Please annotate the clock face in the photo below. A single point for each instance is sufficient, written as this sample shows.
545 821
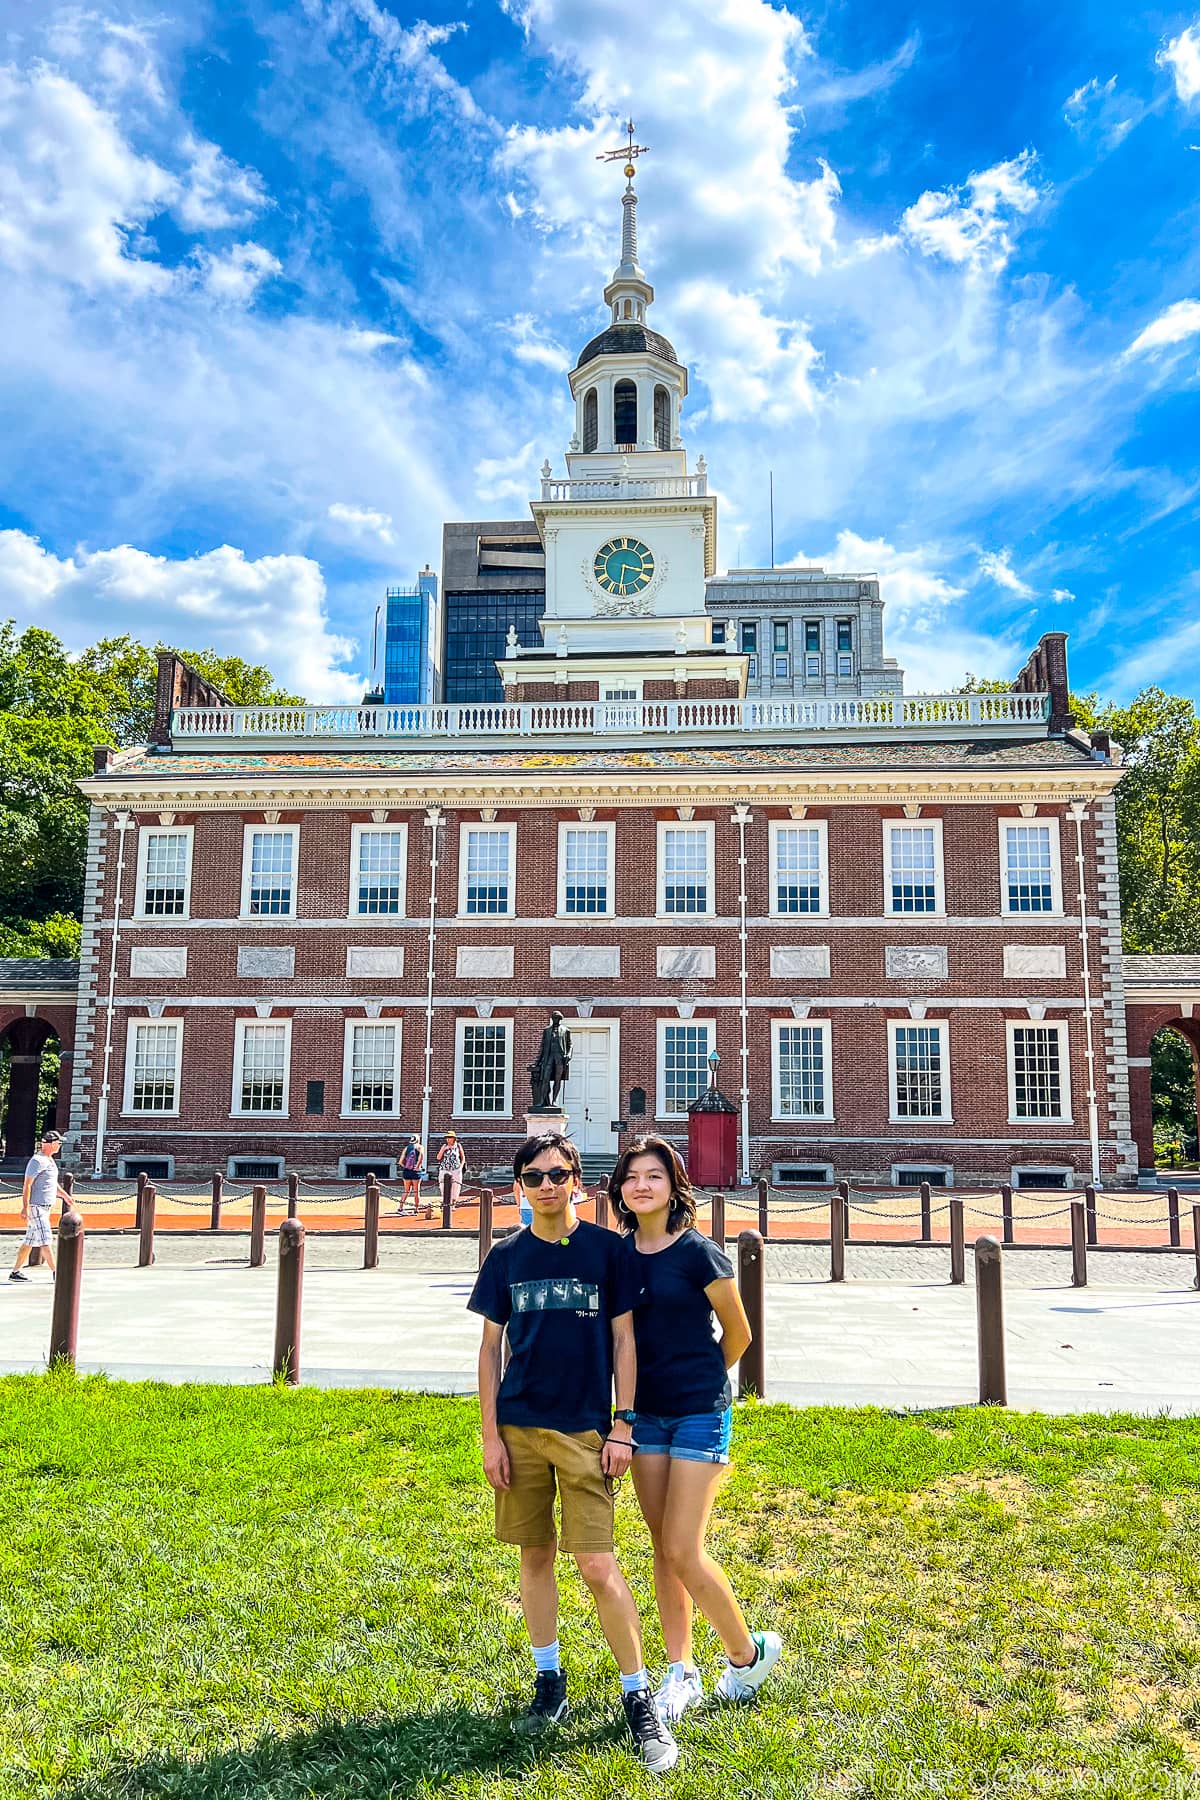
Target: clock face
623 566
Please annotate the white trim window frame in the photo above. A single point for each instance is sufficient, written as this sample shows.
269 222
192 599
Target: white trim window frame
681 1063
263 898
1027 877
810 1042
818 830
912 876
478 896
376 1077
684 876
383 884
171 882
1045 1071
488 1035
922 1077
259 1072
160 1033
588 892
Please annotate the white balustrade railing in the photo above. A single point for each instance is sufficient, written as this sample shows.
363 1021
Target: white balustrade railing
917 714
648 487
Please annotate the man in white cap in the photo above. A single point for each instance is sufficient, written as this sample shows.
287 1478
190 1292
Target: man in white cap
38 1195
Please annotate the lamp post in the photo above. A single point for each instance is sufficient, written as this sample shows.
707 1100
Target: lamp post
714 1063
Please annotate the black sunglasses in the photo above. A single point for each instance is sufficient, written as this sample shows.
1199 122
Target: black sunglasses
533 1178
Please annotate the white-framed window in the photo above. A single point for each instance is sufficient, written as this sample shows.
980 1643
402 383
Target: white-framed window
683 1047
913 874
371 1068
251 1165
486 865
483 1068
685 869
799 869
155 1168
1030 871
845 667
782 670
1039 1072
812 649
801 1069
585 870
621 703
780 636
269 857
164 872
911 1175
378 871
1042 1175
357 1168
845 649
262 1059
918 1070
153 1063
801 1174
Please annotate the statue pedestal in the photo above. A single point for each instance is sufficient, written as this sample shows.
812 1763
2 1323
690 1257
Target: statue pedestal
545 1118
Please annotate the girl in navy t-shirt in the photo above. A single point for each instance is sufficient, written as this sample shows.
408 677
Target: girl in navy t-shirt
683 1417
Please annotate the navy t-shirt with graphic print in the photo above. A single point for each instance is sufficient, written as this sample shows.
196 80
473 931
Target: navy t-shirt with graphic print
680 1364
558 1301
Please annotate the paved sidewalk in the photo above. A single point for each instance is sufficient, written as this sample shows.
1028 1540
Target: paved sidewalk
895 1334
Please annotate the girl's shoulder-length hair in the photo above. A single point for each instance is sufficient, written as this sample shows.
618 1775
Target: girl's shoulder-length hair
682 1215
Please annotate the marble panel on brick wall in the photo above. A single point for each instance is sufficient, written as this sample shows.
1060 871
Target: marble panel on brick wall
485 959
585 959
1047 960
374 959
266 959
161 960
678 961
924 962
808 960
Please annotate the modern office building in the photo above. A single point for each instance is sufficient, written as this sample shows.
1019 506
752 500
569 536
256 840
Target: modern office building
493 580
410 642
806 632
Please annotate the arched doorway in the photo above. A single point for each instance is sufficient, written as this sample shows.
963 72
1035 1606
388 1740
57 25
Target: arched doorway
30 1069
1174 1094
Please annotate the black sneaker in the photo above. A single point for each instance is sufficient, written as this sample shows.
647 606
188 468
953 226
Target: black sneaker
656 1748
17 1276
548 1706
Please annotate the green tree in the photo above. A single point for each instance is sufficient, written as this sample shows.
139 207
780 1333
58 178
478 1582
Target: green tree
1158 820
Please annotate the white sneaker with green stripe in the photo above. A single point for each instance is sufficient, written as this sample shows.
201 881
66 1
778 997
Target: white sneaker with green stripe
741 1684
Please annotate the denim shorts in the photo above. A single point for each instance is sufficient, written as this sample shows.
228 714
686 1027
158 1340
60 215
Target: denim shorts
696 1437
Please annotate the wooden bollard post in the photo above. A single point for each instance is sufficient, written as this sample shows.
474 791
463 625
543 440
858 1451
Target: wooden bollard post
958 1249
64 1319
371 1225
843 1188
288 1293
1006 1213
989 1313
926 1212
718 1221
485 1223
445 1181
1089 1198
1173 1217
214 1215
1078 1245
258 1227
837 1232
764 1216
1196 1244
146 1235
142 1183
293 1196
602 1218
751 1263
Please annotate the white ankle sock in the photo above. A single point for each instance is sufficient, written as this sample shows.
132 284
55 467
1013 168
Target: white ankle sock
545 1658
631 1683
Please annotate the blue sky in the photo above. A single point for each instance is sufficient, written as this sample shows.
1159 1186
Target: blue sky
283 286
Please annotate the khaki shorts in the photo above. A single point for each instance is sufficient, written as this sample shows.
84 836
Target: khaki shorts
540 1461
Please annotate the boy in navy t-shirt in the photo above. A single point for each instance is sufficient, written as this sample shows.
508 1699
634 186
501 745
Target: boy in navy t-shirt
564 1290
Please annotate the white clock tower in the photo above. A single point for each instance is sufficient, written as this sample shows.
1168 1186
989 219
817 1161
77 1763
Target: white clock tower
630 532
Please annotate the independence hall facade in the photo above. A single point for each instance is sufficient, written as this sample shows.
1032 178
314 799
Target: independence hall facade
312 930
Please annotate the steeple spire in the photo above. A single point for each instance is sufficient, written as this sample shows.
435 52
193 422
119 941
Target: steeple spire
628 293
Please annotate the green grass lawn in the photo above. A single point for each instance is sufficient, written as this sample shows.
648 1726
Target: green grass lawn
234 1592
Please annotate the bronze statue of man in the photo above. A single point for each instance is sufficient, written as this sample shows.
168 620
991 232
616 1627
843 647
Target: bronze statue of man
548 1074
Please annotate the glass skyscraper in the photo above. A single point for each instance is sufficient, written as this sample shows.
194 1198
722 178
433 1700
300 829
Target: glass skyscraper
409 643
493 577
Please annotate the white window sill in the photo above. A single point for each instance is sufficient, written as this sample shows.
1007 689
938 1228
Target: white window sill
266 918
1027 1124
396 918
1034 918
173 1114
797 918
581 918
921 1119
803 1119
917 918
275 1113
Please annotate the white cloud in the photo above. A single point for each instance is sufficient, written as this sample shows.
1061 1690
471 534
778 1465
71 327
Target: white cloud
754 365
216 192
1182 57
73 194
996 565
973 224
1061 594
508 477
530 345
119 56
272 610
363 521
1178 323
1097 110
405 60
232 277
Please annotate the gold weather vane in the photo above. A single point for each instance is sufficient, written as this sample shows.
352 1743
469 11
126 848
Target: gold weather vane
629 151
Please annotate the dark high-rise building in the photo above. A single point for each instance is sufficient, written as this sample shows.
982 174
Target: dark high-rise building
493 577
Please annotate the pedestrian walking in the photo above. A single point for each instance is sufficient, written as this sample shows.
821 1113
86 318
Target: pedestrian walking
451 1164
564 1291
412 1167
38 1194
683 1417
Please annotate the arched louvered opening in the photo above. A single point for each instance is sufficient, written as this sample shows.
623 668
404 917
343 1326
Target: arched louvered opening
625 419
662 419
629 309
591 420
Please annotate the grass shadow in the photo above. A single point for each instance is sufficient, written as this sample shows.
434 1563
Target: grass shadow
347 1759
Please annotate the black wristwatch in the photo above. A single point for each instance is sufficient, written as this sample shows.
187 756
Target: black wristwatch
625 1418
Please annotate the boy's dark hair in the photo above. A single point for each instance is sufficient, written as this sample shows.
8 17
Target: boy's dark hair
683 1202
547 1140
